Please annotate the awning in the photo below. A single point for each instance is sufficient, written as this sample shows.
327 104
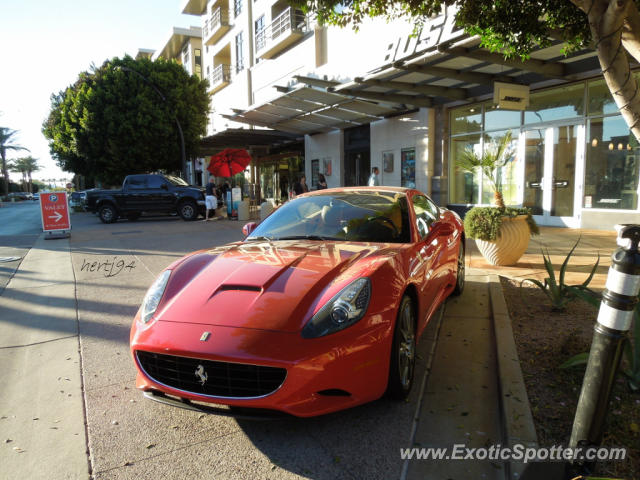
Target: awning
457 71
463 71
306 109
246 139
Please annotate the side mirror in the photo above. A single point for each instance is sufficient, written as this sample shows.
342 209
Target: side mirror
248 228
443 229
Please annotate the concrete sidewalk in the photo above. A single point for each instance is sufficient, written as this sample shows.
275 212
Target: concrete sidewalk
41 405
475 394
471 395
460 403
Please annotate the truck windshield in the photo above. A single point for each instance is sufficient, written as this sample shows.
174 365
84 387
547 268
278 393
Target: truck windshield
177 181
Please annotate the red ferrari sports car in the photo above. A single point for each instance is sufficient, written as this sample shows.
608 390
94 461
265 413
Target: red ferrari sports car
317 310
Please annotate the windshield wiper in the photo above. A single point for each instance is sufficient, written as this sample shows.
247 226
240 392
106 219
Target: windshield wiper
250 239
307 237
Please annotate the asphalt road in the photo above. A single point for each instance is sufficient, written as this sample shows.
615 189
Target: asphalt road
20 226
131 437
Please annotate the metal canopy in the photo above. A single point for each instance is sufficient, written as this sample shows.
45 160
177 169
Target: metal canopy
308 109
244 138
454 71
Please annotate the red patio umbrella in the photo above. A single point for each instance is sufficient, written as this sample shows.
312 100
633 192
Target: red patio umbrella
229 162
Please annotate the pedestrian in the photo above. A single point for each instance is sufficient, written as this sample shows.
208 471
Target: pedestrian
300 186
322 182
373 179
211 199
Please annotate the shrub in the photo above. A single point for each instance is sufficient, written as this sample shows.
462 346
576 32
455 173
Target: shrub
484 223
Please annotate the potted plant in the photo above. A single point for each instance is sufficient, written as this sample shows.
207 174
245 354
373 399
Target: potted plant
502 233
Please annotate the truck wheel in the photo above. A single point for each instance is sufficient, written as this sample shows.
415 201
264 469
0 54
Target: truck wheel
108 213
188 211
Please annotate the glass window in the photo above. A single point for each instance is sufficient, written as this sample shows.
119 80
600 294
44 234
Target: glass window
507 175
137 182
156 181
197 58
408 168
466 119
464 186
260 34
496 118
555 104
426 214
239 53
613 160
600 99
237 7
353 216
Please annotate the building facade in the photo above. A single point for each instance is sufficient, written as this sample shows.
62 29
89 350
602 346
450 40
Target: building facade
341 102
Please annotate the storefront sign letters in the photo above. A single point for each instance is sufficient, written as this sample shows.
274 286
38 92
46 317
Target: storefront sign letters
434 32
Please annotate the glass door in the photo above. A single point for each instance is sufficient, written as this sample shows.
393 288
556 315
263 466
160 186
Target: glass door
553 169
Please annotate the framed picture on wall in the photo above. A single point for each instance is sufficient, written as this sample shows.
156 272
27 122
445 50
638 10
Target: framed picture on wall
387 162
315 170
326 165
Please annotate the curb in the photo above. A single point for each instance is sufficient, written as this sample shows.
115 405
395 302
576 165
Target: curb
517 420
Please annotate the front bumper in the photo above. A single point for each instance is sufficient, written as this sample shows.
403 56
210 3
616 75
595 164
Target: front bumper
324 375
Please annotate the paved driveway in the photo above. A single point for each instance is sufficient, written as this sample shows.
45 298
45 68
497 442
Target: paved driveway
131 437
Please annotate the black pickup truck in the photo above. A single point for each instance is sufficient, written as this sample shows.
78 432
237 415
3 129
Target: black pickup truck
149 193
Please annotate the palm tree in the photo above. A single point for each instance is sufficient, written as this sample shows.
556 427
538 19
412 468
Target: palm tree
496 156
19 167
26 166
6 144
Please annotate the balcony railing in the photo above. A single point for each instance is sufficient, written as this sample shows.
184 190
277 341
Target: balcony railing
215 26
285 29
219 77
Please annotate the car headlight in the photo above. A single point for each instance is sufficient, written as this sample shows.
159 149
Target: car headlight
153 296
347 307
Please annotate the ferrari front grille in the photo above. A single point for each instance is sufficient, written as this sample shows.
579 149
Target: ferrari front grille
206 377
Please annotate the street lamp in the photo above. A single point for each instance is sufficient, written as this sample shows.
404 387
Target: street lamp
157 90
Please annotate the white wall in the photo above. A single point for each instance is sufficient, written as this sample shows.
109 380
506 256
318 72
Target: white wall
395 134
325 146
267 73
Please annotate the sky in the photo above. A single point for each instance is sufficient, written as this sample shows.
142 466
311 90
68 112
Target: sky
45 44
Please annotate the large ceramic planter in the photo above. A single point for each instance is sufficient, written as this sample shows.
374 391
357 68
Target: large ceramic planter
510 244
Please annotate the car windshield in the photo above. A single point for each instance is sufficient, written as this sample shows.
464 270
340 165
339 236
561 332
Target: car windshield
358 216
177 181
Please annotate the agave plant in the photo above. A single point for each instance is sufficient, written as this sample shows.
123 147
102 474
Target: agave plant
496 155
558 292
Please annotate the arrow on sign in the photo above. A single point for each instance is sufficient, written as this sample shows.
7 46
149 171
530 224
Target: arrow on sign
57 216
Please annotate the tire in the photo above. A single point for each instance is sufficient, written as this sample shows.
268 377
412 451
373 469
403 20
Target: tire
108 213
188 210
403 351
459 288
132 217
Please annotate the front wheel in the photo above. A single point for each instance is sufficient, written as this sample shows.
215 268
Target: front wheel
188 211
403 351
108 213
459 288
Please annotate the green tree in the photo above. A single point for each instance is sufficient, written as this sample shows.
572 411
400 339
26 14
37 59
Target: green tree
122 118
517 27
26 166
6 144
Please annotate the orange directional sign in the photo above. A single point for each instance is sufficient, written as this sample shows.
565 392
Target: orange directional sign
55 211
